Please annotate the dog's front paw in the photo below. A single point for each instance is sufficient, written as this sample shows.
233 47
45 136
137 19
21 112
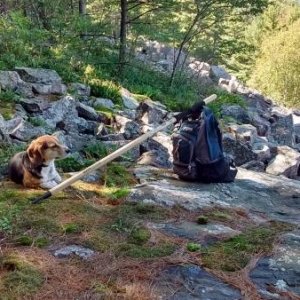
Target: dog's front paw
58 179
48 185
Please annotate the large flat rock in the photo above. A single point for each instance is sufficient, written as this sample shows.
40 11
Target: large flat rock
277 197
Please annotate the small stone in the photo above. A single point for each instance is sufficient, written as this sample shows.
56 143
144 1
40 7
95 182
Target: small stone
102 102
80 251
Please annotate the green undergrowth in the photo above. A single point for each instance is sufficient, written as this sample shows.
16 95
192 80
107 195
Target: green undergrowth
235 253
21 278
224 98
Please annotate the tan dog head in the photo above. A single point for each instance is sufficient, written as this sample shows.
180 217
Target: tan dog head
46 148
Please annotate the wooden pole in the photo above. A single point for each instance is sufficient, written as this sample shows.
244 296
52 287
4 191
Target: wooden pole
104 161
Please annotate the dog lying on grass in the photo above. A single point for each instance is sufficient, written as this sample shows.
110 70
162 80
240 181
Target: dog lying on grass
35 167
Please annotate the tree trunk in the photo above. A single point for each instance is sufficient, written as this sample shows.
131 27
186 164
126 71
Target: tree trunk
82 7
123 37
185 40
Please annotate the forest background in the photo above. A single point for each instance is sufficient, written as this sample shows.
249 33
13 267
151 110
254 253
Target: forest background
94 41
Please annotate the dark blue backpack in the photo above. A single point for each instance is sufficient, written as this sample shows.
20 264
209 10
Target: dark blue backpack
198 152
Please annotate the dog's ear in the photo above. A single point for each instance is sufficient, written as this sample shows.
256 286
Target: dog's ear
34 153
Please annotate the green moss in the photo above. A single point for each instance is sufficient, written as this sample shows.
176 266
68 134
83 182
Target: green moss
41 242
24 240
234 254
137 251
224 98
106 89
117 175
35 121
7 152
193 247
139 236
116 194
71 164
71 228
95 151
202 220
22 279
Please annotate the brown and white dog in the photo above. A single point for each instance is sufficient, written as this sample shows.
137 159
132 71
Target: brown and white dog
35 167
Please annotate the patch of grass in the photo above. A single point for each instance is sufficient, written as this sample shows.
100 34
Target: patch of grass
139 236
117 175
116 194
202 220
9 209
193 247
21 278
224 98
7 152
95 151
41 242
35 121
105 89
8 96
219 216
109 113
71 164
100 240
137 251
71 228
235 253
24 240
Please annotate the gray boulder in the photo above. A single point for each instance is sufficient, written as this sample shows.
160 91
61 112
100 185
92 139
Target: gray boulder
155 158
63 110
236 112
130 129
80 89
244 132
102 102
9 80
34 105
26 132
128 100
218 72
285 163
42 76
55 88
240 151
282 129
132 154
88 112
150 112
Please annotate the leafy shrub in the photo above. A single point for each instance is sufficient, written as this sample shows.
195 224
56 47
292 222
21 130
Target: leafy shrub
71 164
106 89
95 151
277 73
224 98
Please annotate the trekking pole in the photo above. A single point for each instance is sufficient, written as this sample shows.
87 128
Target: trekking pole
104 161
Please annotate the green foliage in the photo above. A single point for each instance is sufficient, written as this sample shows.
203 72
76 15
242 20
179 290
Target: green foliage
7 152
225 98
106 89
8 96
36 121
193 247
71 228
202 220
22 278
277 73
8 211
95 151
118 175
234 254
71 164
136 251
139 236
